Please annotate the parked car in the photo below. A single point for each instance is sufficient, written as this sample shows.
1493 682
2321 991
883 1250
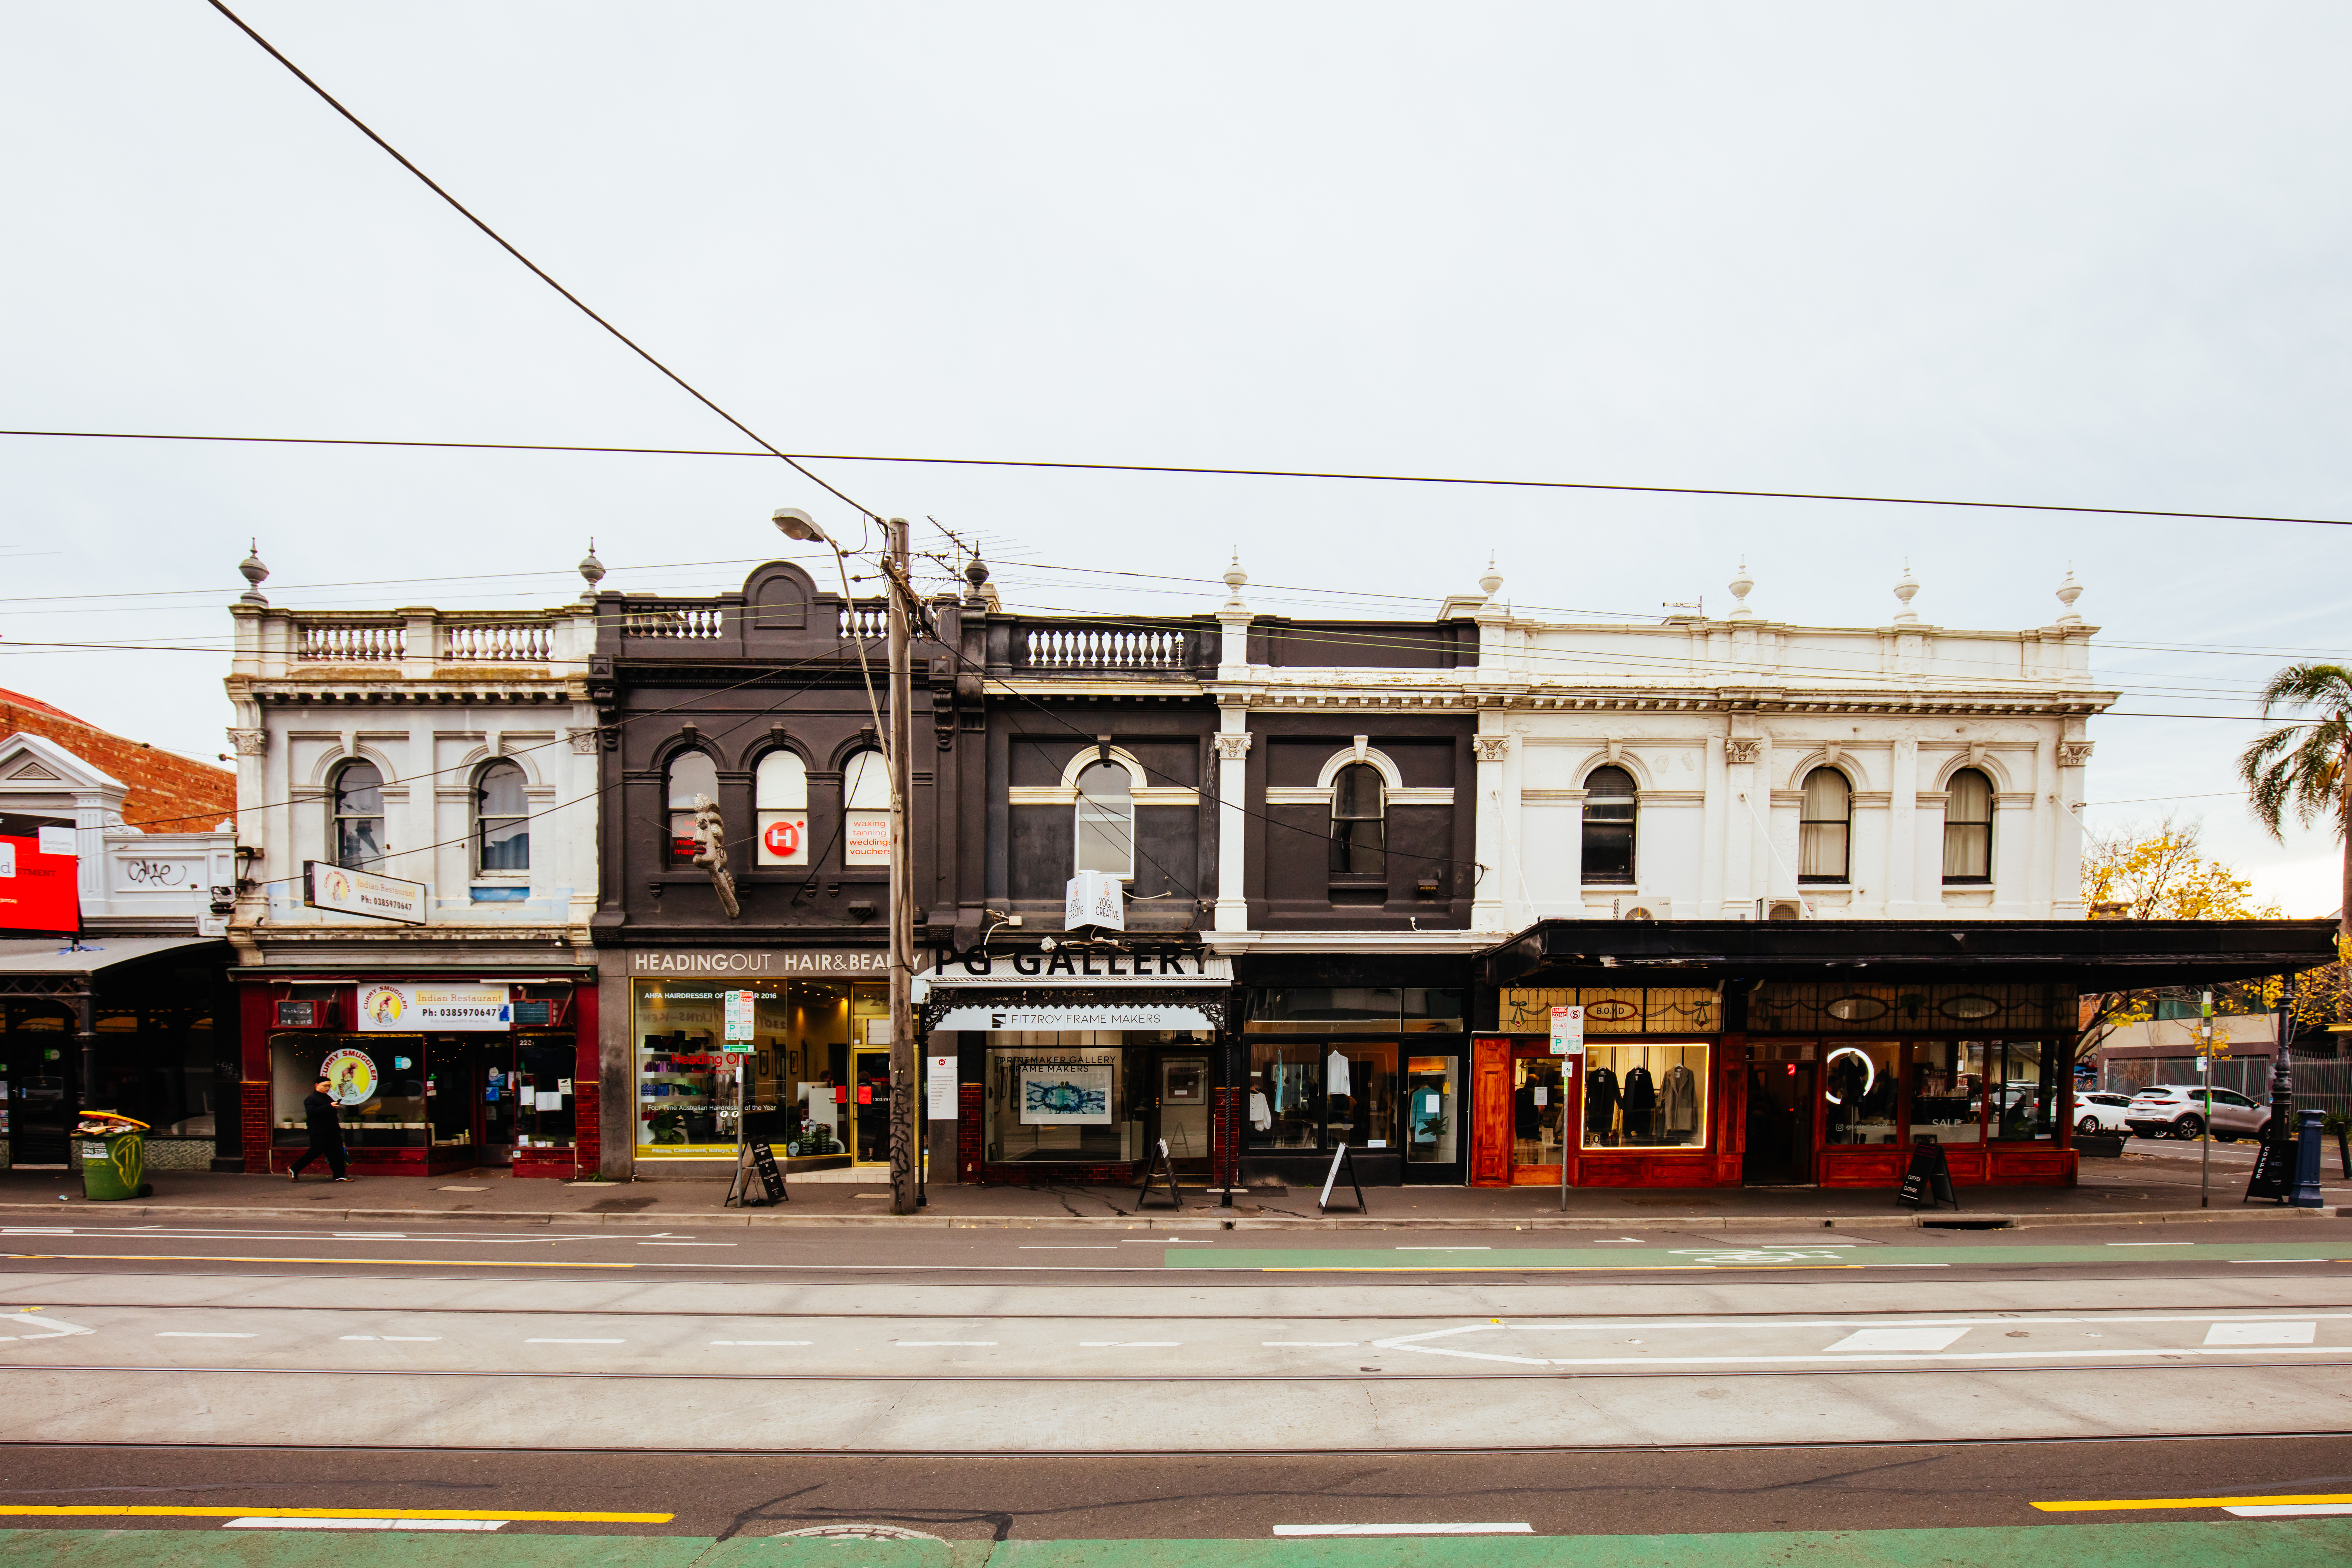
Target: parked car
2102 1112
2178 1111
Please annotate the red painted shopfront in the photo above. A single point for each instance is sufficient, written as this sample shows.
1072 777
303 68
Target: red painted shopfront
436 1073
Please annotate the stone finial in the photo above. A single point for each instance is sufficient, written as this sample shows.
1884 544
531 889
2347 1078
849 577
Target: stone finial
975 572
2068 592
1234 578
1903 590
254 572
1741 585
591 569
1491 582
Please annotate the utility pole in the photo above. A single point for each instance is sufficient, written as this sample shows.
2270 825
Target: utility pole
2205 1059
905 1127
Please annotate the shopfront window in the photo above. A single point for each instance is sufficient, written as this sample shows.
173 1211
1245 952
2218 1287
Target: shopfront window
1947 1080
1359 1095
1286 1096
797 1077
1860 1089
2026 1106
1060 1097
1652 1095
378 1086
1430 1132
1539 1095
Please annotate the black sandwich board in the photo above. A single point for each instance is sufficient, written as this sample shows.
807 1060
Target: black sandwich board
2274 1176
1338 1159
1159 1168
761 1158
1930 1179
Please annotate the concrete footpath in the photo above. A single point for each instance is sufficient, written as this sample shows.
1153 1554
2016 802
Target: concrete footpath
2146 1189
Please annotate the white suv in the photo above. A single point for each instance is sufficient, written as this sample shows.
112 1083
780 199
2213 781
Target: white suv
2176 1110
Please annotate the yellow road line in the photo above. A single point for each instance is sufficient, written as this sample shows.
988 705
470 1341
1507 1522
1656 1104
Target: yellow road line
2298 1500
113 1511
396 1262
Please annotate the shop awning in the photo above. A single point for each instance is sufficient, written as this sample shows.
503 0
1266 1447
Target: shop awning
56 954
2091 955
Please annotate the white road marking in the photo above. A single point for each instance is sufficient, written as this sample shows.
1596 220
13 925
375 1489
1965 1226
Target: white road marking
1931 1337
1105 1247
2287 1510
942 1344
1309 1344
363 1523
395 1339
179 1334
1404 1530
764 1341
575 1341
2282 1260
2263 1332
2151 1244
371 1236
686 1244
1168 1240
1443 1249
1128 1344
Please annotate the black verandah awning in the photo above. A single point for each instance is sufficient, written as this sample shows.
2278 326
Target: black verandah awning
2090 955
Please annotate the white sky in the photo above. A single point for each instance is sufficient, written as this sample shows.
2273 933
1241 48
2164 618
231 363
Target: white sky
2091 254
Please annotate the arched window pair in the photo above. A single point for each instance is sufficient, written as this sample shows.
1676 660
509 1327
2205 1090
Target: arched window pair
500 831
781 810
1825 834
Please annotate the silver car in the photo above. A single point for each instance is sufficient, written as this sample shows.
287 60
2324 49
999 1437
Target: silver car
2179 1110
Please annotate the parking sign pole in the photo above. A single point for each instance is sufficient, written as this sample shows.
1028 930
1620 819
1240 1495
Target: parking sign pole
2205 1059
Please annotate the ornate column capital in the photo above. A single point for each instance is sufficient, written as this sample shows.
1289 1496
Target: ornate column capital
2073 753
1232 748
583 740
1737 753
1492 748
249 742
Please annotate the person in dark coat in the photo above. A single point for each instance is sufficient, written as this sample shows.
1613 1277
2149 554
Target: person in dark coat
326 1132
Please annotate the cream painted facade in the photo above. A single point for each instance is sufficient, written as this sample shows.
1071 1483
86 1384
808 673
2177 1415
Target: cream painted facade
1720 721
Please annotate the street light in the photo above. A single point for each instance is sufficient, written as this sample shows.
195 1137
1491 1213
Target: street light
895 738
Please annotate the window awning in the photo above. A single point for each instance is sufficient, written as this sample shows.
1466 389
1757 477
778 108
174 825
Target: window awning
57 955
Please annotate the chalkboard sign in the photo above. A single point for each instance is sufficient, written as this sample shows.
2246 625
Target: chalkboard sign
1159 1169
1930 1179
1338 1160
2274 1176
760 1160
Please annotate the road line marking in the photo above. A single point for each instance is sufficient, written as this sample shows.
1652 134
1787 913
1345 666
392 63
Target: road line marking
940 1344
326 1262
1915 1338
1310 1344
361 1522
2310 1500
1129 1344
2270 1511
395 1338
1443 1249
1404 1530
371 1236
133 1510
186 1334
1105 1247
2261 1332
764 1341
2151 1244
575 1341
686 1244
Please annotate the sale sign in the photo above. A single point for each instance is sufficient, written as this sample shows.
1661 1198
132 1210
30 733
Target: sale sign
39 875
783 838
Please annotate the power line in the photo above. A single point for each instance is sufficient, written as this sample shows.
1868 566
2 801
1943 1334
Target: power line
1351 476
537 271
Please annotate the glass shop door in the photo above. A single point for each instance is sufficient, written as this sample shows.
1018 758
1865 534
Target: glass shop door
869 1107
1779 1125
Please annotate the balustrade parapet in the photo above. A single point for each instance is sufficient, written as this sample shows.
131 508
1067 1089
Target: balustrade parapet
1125 648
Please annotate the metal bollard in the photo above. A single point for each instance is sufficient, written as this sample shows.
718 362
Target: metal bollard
2307 1163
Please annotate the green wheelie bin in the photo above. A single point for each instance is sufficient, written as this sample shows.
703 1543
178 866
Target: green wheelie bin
114 1159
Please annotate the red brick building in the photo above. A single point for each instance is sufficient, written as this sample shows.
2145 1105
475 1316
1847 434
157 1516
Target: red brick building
168 793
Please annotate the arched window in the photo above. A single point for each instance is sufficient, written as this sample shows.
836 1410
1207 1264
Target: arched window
780 796
502 819
1609 826
1968 827
358 828
1823 839
1360 828
1106 824
690 774
866 810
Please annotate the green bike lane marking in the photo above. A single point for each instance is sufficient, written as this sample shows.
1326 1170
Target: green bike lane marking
1733 1256
2243 1544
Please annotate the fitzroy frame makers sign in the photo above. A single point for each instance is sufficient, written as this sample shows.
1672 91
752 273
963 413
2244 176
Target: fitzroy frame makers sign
349 892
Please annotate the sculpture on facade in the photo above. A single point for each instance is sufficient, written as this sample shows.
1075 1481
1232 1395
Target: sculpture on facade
710 833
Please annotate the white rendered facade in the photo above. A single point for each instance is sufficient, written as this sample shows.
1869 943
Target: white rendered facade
1720 723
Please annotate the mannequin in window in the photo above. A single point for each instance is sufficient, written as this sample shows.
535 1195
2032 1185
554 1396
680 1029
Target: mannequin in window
1847 1076
1601 1096
1641 1097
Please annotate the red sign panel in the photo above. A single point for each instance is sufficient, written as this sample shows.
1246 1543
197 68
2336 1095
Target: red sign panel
40 871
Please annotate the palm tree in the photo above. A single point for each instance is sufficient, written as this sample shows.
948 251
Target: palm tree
2308 765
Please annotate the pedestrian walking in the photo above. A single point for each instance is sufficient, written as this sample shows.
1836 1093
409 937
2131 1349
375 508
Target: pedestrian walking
326 1133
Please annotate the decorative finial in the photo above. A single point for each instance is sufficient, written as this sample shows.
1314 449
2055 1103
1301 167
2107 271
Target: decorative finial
975 572
592 568
2068 592
254 572
1236 576
1492 580
1740 585
1903 590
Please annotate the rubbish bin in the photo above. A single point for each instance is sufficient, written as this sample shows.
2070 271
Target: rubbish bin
113 1160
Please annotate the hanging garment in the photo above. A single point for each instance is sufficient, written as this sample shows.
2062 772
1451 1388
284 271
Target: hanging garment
1261 1113
1599 1098
1525 1116
1680 1093
1335 1075
1641 1099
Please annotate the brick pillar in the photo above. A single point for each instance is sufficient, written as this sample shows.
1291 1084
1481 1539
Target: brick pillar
253 1112
968 1130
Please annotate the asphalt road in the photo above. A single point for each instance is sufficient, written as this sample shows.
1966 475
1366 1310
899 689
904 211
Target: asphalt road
1074 1384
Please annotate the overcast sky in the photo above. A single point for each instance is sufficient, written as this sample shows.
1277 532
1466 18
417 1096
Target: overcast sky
2082 253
